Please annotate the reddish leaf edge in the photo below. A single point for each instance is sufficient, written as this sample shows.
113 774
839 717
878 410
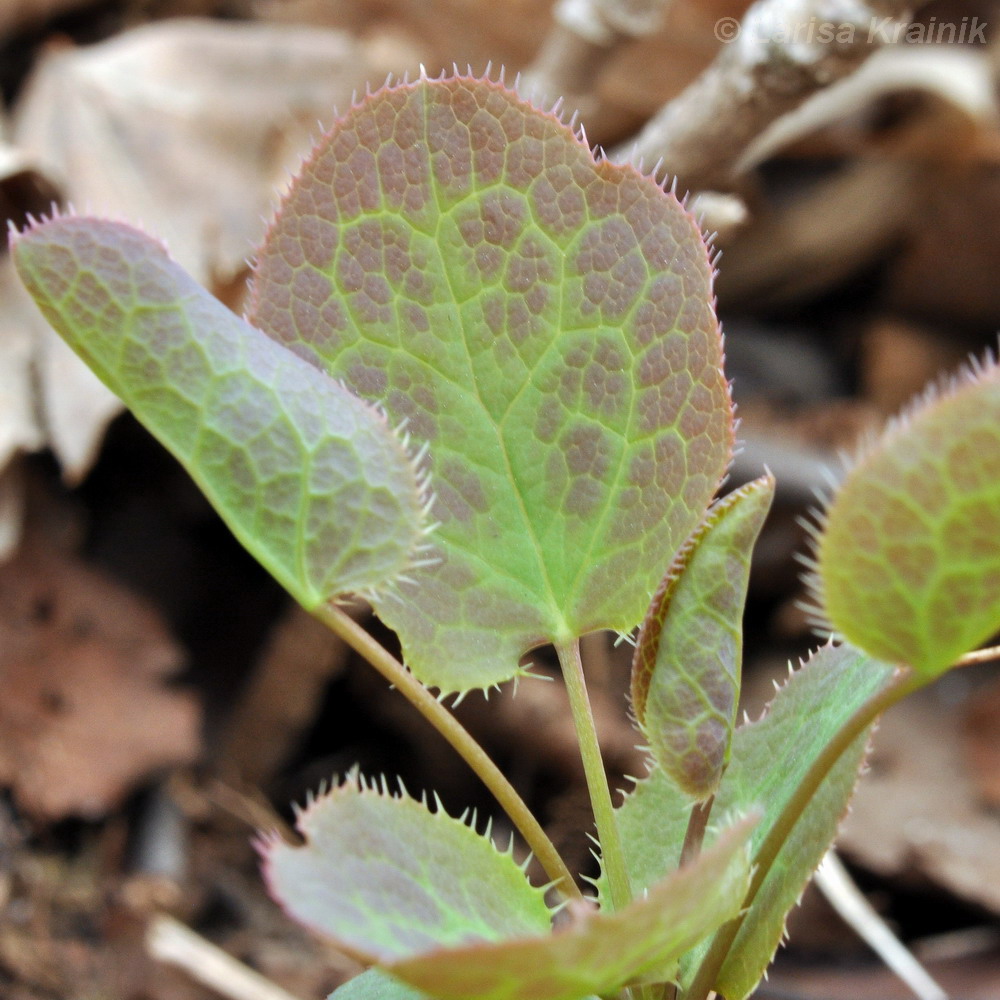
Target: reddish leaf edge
569 121
732 831
558 111
354 780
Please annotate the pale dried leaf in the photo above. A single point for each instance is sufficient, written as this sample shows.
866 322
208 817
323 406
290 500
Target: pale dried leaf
46 395
23 189
188 127
19 426
844 222
955 85
77 407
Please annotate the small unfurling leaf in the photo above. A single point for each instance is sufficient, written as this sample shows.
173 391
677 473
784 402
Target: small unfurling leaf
686 668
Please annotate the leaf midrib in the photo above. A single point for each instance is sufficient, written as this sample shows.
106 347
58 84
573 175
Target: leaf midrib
561 629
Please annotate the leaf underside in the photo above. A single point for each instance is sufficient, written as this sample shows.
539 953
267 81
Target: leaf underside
309 478
769 759
688 656
424 895
376 984
908 561
544 321
386 878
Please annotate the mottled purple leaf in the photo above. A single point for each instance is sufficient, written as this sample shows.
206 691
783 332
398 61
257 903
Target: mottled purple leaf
387 878
544 320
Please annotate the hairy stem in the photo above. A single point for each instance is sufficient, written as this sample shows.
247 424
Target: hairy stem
694 837
459 737
903 683
612 853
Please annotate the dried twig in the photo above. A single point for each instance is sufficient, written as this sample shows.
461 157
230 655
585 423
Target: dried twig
584 36
168 940
844 896
775 59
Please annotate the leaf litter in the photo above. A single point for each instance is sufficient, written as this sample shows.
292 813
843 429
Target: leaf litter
80 433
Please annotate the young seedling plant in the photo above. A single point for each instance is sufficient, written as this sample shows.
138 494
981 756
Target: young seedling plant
480 383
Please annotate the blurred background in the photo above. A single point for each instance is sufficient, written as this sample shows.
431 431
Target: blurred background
161 699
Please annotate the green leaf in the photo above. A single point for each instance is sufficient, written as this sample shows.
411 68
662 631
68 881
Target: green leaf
545 322
908 558
386 878
375 984
598 952
769 759
686 668
437 905
308 477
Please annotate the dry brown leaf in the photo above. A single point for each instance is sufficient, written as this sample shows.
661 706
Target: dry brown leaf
899 359
269 722
947 269
83 667
16 15
505 33
639 78
917 814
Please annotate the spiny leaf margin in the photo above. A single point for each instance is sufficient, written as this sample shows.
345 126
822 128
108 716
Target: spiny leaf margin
377 984
387 878
769 757
598 952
